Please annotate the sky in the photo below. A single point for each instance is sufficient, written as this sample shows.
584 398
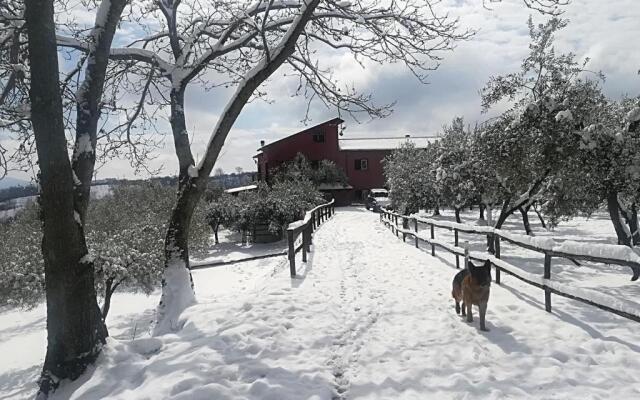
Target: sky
607 32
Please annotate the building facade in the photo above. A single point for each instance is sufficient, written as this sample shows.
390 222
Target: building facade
360 158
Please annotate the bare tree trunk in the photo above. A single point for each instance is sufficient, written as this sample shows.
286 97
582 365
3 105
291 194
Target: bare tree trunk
481 207
633 224
524 211
504 214
535 208
624 236
457 211
436 210
89 98
631 219
76 331
109 290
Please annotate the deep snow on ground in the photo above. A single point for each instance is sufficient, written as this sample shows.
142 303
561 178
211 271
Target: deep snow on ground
369 317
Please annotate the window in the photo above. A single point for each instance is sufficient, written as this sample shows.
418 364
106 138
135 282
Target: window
318 137
361 164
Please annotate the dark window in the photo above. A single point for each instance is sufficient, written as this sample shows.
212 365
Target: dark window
361 164
318 137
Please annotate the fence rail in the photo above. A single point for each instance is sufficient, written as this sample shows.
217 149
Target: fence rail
311 221
599 253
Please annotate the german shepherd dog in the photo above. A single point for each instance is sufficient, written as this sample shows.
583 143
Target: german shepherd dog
471 286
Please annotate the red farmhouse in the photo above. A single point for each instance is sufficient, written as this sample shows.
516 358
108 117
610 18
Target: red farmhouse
360 158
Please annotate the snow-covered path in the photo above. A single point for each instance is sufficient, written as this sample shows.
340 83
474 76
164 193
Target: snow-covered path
402 339
371 318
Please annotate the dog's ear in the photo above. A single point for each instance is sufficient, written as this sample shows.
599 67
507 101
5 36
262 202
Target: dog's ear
470 266
487 264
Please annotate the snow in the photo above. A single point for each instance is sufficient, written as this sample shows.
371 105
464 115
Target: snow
83 146
369 317
76 181
177 295
241 189
86 259
77 218
230 249
564 115
383 143
192 171
634 115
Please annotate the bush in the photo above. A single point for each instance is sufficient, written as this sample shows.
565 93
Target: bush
21 265
125 236
286 201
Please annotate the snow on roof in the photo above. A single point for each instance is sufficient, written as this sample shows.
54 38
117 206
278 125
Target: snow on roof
241 189
384 143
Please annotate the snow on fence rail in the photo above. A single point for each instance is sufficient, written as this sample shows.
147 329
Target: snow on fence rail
601 253
311 221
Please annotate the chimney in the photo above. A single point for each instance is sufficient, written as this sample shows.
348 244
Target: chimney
262 143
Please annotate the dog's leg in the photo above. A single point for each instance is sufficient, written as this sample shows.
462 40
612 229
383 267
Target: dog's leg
464 309
457 307
469 315
483 312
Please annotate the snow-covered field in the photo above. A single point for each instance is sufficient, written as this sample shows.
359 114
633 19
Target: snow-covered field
370 317
14 205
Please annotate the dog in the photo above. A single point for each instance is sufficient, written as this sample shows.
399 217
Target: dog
472 286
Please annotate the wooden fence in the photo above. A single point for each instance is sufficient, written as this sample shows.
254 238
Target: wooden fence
599 253
312 221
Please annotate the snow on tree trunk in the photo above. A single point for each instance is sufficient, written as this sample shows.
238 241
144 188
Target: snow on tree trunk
177 283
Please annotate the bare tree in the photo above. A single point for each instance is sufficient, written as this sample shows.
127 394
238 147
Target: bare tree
76 331
242 44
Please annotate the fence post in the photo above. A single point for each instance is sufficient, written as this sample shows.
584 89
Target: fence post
456 242
310 236
292 253
433 236
547 275
415 227
497 249
304 245
395 225
466 255
405 225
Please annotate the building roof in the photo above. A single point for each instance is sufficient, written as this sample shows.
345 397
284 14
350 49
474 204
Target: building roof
384 143
334 121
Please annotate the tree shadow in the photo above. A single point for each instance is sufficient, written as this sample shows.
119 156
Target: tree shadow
19 383
569 318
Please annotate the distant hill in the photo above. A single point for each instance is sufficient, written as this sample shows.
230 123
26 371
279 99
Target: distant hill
8 182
